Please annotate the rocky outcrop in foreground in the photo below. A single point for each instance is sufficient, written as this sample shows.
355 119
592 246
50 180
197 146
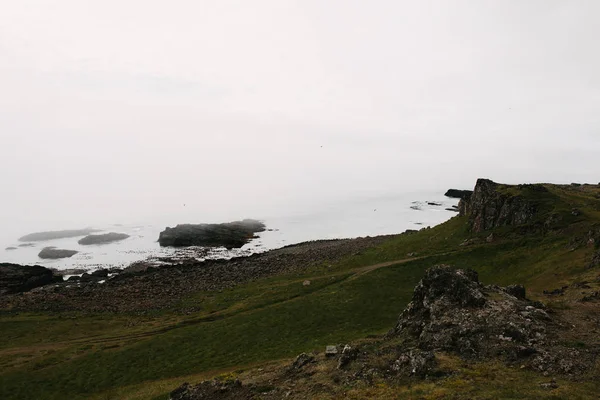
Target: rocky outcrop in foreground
103 239
51 235
488 207
21 278
230 235
451 312
52 253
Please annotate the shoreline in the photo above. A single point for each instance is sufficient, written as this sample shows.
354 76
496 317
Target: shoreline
144 286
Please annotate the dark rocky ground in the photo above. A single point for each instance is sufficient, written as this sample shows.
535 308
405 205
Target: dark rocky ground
145 286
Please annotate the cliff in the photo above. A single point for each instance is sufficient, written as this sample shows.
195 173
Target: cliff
493 205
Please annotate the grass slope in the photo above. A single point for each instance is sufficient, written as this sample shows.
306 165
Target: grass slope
75 356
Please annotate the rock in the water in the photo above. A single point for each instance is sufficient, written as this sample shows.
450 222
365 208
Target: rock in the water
11 248
230 235
51 235
104 238
27 245
458 194
16 278
52 253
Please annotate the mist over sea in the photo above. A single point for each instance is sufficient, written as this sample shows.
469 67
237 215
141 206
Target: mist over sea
355 217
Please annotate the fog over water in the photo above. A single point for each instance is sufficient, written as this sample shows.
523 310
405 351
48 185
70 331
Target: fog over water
157 113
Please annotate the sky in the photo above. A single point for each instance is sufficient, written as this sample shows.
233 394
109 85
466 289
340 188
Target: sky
128 109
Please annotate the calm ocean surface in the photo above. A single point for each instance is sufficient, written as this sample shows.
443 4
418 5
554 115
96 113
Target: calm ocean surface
354 218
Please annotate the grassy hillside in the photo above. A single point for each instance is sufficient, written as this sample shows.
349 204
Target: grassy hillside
105 356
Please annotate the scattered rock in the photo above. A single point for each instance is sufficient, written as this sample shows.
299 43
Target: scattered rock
302 360
331 351
349 354
100 273
576 212
470 242
51 235
52 253
73 278
86 278
230 235
213 390
556 292
16 278
490 238
549 385
415 362
306 283
516 290
102 239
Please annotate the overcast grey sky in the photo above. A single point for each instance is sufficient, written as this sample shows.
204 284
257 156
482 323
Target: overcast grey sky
128 108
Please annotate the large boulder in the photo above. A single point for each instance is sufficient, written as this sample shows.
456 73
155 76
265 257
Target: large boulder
52 253
51 235
103 239
229 235
16 278
452 311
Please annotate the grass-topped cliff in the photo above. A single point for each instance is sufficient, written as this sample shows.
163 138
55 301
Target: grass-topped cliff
542 236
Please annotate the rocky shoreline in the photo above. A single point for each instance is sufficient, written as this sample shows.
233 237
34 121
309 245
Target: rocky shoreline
146 286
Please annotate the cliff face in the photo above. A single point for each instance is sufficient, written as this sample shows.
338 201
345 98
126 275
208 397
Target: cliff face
489 208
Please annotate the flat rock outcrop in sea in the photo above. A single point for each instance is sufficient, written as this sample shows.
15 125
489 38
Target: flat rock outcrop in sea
230 235
52 253
104 238
51 235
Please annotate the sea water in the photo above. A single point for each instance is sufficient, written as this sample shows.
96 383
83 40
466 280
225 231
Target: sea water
353 218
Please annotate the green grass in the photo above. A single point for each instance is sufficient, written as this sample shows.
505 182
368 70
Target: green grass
57 356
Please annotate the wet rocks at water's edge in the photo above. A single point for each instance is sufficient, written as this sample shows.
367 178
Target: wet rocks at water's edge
16 278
